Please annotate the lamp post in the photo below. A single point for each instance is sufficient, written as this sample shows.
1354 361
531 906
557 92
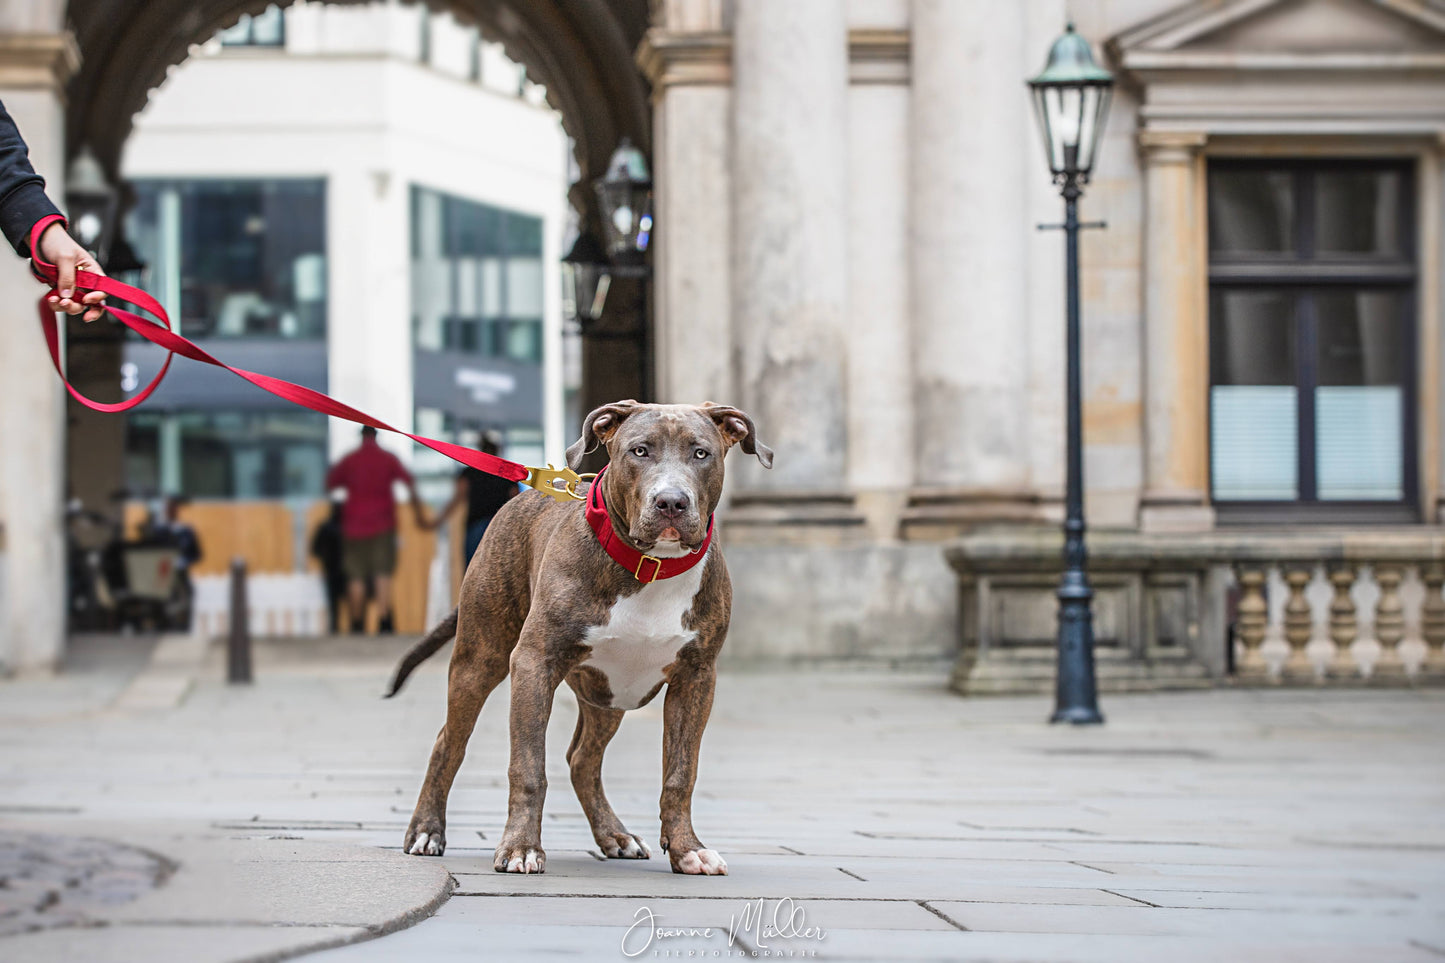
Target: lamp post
1071 101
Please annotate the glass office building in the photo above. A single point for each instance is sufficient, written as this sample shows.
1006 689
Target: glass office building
244 263
477 304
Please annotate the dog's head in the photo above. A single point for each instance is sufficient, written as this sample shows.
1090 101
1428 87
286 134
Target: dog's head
665 473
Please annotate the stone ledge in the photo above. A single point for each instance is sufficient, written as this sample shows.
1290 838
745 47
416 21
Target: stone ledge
42 61
1041 549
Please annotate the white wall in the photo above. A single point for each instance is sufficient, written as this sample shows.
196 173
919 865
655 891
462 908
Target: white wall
356 109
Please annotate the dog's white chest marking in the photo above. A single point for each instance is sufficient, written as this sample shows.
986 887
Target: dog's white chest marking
642 636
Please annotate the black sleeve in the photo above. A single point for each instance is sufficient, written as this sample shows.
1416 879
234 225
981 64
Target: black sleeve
22 191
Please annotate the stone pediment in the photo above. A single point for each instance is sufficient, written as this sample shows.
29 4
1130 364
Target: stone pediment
1270 67
1243 33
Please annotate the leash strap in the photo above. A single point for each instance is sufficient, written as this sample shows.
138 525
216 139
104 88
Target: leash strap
560 484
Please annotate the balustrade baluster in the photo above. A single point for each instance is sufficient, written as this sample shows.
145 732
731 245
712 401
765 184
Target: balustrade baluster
1298 624
1432 616
1389 620
1253 620
1343 624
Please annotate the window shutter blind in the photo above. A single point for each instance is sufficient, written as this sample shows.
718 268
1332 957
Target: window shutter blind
1254 442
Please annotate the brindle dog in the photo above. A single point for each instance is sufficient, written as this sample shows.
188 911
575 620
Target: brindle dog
543 601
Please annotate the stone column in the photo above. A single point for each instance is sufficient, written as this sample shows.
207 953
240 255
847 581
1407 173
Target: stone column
368 266
1432 318
1176 336
880 329
687 57
33 71
790 84
970 229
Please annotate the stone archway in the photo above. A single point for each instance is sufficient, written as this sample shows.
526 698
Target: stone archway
582 52
76 74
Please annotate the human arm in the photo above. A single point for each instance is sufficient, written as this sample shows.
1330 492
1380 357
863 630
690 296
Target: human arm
23 203
418 509
62 250
459 497
22 191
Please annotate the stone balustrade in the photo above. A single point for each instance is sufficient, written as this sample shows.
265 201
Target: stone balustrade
1304 606
1377 618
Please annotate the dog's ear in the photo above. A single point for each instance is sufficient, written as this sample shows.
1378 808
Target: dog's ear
598 429
737 428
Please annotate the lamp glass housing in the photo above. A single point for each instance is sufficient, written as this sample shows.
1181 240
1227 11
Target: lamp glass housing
624 195
584 279
90 203
1071 102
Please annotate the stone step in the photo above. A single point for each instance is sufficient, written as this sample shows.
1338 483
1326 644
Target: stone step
1022 670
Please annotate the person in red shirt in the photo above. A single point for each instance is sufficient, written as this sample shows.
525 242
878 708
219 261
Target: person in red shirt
368 524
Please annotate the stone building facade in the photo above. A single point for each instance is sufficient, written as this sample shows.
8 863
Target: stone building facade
847 193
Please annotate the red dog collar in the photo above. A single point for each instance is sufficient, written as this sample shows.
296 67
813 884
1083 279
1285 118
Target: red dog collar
638 563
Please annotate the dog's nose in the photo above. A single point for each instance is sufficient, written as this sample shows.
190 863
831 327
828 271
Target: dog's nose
671 503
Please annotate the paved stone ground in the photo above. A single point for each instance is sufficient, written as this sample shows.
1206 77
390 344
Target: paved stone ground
904 822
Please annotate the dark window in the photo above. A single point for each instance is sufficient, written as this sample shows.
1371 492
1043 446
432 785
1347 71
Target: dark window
239 258
476 278
1311 302
265 29
220 454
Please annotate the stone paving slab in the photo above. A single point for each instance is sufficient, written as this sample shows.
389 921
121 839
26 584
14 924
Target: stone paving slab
907 823
271 896
193 944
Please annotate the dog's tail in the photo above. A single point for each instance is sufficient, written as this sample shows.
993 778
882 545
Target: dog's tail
445 631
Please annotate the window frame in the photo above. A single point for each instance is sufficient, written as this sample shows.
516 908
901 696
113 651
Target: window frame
1304 274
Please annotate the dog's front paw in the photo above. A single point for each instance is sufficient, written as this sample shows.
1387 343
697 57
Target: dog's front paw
623 845
699 862
520 859
424 837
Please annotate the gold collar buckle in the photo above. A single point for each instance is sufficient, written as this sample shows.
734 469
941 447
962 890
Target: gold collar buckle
655 572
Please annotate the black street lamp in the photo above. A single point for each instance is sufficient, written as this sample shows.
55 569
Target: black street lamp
1071 99
585 279
624 195
624 200
90 203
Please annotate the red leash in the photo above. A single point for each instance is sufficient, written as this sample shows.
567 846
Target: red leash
163 335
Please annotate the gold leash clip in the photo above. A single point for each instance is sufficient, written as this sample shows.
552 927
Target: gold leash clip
563 484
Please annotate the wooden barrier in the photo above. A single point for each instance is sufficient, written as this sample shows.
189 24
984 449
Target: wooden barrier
263 533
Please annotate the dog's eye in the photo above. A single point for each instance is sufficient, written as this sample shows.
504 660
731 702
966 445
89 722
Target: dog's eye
640 451
700 454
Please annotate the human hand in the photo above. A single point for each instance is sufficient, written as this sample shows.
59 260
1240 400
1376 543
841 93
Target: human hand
62 250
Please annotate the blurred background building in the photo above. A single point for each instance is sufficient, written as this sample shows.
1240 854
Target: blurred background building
846 194
310 221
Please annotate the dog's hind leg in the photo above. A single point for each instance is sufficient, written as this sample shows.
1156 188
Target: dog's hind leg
479 664
595 728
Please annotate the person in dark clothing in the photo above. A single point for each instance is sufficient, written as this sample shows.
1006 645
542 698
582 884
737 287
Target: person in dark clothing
326 549
170 530
484 495
22 204
181 534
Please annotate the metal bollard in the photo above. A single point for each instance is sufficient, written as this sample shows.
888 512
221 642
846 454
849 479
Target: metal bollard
238 644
